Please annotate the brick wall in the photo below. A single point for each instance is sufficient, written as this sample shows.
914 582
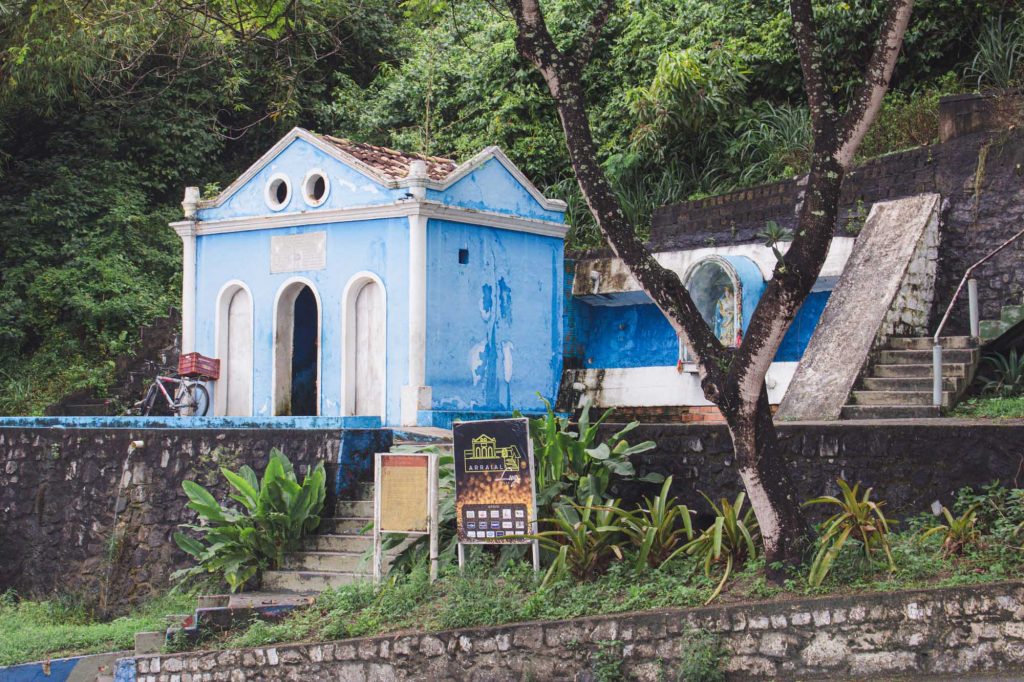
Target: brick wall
944 633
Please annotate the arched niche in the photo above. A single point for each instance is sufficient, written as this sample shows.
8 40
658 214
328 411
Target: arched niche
297 325
725 290
234 342
364 351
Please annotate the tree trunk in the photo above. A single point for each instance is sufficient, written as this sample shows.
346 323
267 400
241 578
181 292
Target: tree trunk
762 468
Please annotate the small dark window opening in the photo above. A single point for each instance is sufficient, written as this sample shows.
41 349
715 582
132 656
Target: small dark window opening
319 187
281 192
463 256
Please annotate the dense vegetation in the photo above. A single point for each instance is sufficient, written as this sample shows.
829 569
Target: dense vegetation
107 110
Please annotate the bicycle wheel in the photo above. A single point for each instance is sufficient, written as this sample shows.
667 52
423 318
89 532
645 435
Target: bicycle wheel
146 406
194 400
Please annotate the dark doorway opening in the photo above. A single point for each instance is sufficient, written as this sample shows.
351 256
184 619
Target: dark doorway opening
305 342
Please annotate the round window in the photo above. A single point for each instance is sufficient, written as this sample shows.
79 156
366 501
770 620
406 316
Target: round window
278 192
316 187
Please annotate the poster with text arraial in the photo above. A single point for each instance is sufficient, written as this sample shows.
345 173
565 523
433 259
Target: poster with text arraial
494 497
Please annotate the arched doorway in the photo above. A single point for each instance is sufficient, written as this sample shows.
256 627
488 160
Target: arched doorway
233 395
297 351
365 349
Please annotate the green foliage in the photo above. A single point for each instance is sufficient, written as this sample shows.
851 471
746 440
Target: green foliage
658 529
700 659
991 408
999 61
727 542
1007 377
606 662
64 625
572 466
859 518
276 513
958 533
583 538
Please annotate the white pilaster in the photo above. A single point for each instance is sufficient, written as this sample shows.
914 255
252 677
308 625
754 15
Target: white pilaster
187 231
415 395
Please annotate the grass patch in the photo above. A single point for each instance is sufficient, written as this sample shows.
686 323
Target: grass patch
991 408
63 626
491 592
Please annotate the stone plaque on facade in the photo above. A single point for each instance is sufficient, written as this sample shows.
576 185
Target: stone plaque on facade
297 252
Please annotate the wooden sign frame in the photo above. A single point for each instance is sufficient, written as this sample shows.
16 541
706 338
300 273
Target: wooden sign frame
430 493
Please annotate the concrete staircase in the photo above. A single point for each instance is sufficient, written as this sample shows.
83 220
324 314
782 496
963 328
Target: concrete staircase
339 554
899 382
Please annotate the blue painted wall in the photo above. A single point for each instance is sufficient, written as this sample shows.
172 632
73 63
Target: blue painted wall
799 333
503 307
494 324
377 246
491 187
348 187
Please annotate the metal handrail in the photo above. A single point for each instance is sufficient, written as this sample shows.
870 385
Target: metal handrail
973 311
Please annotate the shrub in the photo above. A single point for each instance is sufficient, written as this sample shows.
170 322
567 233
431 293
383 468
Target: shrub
584 539
658 529
858 517
958 533
1007 381
999 61
727 542
572 465
276 513
700 658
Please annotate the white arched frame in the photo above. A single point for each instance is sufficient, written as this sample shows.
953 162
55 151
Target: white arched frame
221 339
284 327
348 336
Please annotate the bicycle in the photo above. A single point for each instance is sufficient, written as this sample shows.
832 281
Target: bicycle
190 397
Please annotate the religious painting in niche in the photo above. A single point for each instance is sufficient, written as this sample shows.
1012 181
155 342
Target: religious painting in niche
716 293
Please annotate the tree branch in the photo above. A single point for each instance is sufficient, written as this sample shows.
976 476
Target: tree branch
868 100
585 47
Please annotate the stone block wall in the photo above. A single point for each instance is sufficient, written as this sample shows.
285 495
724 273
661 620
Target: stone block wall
80 515
910 464
949 633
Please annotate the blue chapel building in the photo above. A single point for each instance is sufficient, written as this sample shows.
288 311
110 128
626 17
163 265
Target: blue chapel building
336 278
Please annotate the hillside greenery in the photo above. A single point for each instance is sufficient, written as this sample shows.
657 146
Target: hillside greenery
109 108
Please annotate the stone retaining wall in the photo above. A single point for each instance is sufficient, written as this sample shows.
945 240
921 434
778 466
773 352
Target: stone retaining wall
948 632
79 515
909 463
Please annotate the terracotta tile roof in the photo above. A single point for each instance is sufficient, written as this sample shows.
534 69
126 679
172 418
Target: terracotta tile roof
391 162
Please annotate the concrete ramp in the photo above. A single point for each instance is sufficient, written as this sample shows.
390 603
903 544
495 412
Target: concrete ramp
885 290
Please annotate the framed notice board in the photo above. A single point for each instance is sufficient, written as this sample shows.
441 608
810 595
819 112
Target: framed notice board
495 501
404 501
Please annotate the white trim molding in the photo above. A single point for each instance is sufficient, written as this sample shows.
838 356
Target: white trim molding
416 395
270 191
289 289
186 229
398 209
307 194
348 341
224 296
461 171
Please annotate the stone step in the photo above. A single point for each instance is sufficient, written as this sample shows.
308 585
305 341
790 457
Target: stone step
330 562
342 542
307 582
926 342
349 525
993 329
911 383
949 369
921 357
889 411
1012 314
899 398
354 508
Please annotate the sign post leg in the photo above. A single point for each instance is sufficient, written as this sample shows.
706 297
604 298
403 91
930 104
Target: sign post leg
377 549
432 496
536 556
462 557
